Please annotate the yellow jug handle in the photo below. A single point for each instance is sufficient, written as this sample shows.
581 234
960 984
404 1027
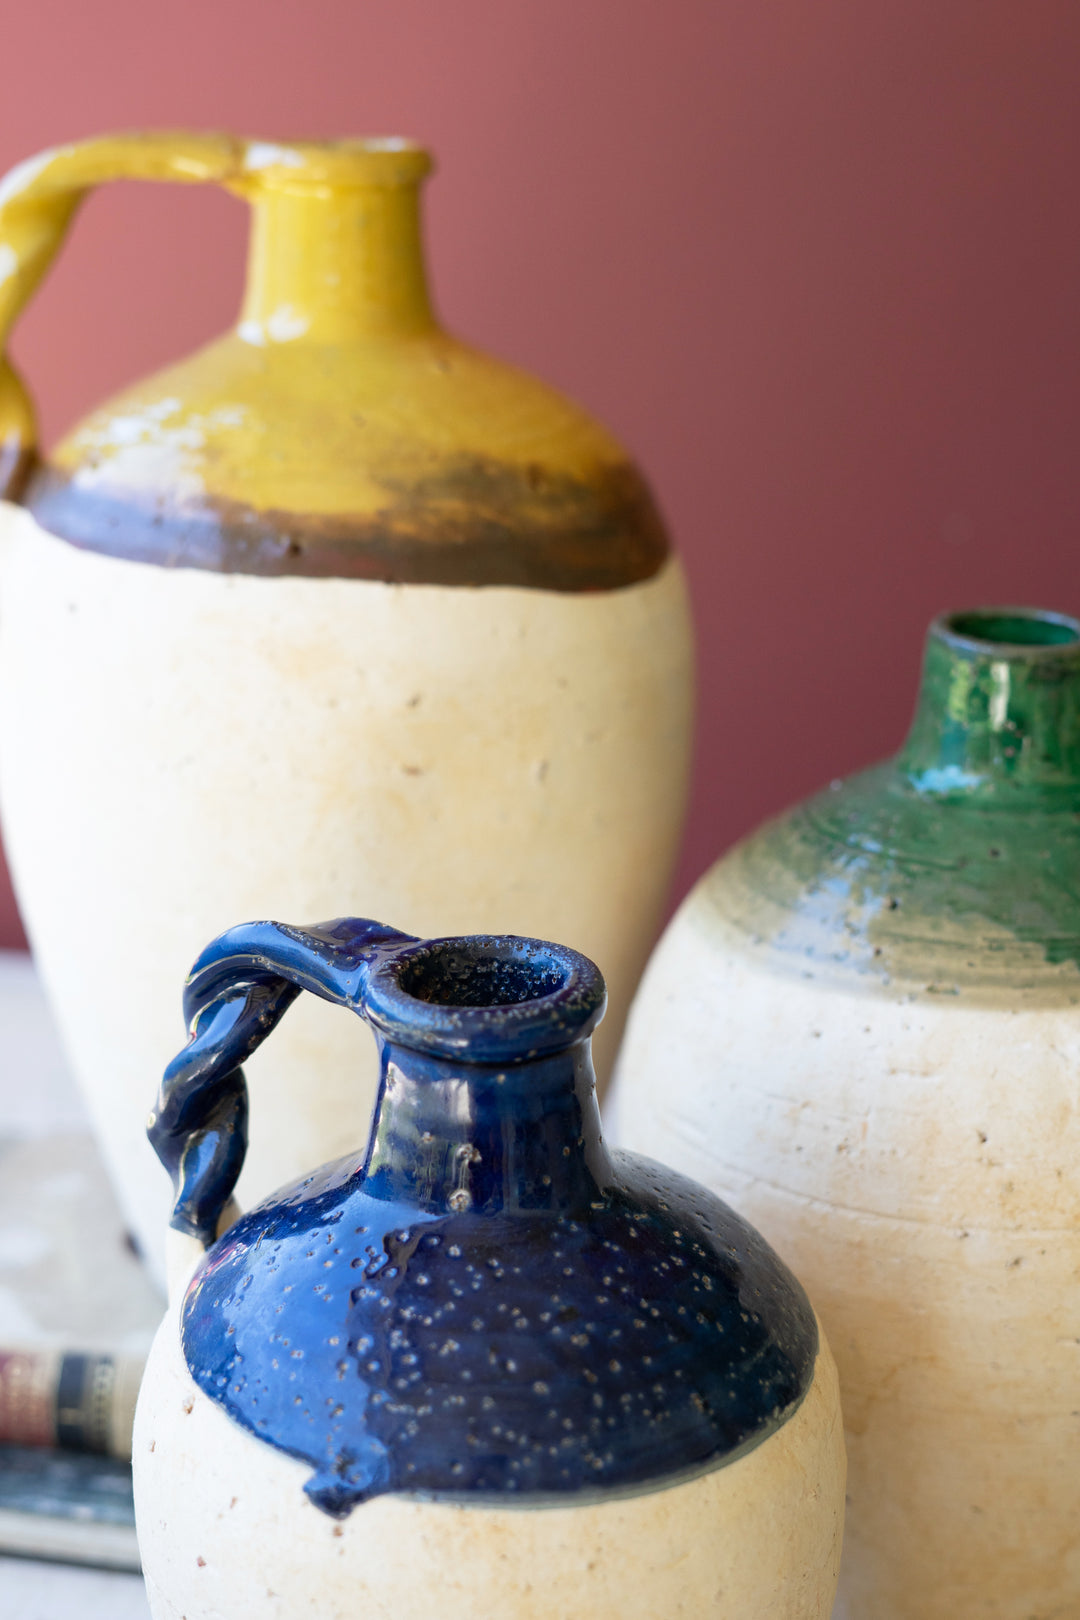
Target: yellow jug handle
38 200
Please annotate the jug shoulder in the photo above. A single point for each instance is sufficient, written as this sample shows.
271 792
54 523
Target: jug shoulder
420 460
647 1338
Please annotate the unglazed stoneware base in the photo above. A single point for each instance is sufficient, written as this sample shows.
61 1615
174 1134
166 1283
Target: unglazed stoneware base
912 1155
181 749
225 1530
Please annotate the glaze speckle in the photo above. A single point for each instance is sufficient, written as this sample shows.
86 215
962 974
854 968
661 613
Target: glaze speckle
648 1336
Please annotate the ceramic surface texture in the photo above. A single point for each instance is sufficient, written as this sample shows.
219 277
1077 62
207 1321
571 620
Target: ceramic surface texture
339 607
178 749
758 1539
482 1320
869 1017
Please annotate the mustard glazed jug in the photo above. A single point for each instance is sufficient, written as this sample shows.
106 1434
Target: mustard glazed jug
481 1364
336 606
869 1017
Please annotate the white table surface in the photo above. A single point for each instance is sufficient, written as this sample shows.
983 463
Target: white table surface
30 1591
38 1099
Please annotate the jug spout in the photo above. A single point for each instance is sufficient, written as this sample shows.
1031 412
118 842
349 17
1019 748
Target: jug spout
336 250
520 1130
999 707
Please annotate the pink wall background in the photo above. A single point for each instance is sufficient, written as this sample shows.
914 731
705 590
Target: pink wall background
818 265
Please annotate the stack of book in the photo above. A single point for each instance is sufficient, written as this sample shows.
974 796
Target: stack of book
77 1311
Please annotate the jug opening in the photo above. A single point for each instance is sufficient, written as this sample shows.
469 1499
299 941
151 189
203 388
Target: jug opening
485 998
454 975
1015 628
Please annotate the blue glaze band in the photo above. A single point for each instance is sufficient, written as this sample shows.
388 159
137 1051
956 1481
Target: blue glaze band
483 1303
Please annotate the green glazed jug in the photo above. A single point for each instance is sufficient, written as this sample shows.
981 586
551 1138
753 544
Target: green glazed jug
869 1018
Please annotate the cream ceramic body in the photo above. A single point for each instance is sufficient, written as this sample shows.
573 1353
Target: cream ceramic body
180 748
225 1530
889 1147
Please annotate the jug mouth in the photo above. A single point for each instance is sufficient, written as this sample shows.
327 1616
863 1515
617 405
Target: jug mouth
369 160
486 998
1009 632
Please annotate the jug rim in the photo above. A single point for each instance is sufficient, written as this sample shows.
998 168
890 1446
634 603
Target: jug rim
485 998
1015 634
356 160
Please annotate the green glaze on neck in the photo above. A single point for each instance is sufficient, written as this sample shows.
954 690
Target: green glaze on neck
999 707
953 869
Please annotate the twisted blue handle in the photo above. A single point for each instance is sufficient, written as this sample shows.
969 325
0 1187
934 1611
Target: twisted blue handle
237 991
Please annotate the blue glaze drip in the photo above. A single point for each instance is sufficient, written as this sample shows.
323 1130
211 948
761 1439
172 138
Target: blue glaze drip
485 1303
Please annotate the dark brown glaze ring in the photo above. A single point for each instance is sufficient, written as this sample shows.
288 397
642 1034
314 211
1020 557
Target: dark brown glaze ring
476 522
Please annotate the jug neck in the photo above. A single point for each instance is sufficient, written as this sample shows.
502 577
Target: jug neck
337 260
450 1137
998 716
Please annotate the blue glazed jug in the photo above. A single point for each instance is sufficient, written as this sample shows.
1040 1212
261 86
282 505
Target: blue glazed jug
481 1332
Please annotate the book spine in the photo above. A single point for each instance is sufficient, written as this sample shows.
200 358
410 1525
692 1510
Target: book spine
80 1401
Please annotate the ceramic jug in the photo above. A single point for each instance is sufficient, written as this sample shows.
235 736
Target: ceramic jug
337 606
481 1365
868 1015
